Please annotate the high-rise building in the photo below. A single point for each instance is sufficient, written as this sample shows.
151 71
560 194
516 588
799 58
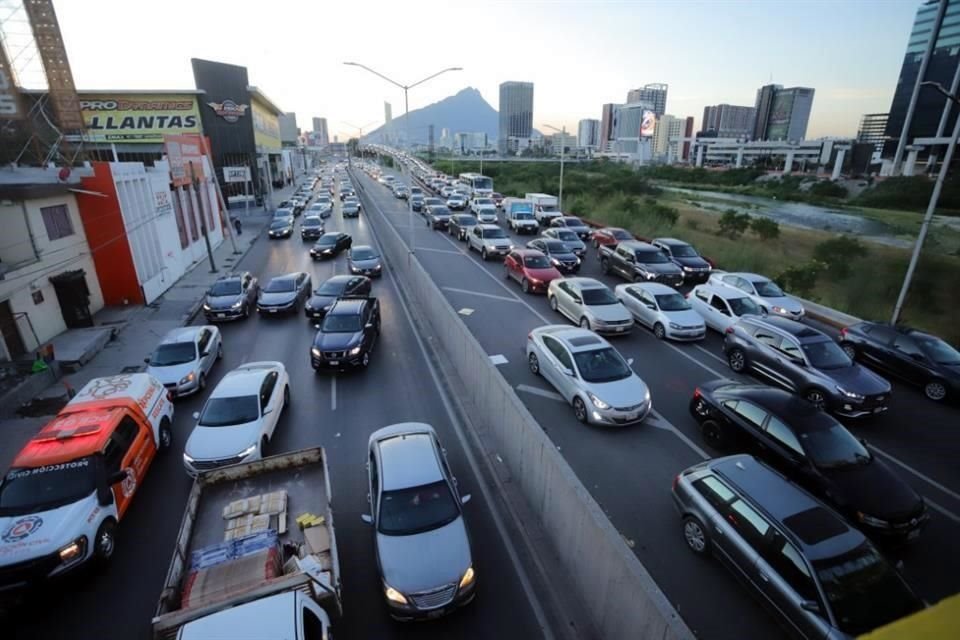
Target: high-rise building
605 135
872 130
588 133
941 68
289 134
516 113
320 129
782 114
667 146
728 121
655 94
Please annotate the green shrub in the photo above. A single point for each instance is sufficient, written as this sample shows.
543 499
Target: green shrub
800 279
693 223
838 253
827 189
733 224
765 228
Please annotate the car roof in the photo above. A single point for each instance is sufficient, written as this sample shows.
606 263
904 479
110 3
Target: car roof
575 338
362 246
337 279
655 288
671 241
638 245
727 293
787 406
407 455
240 381
232 276
528 253
794 328
820 531
746 275
312 219
347 307
183 334
585 283
488 227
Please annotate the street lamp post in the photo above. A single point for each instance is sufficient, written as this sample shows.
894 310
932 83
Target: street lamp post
931 206
359 137
406 126
563 139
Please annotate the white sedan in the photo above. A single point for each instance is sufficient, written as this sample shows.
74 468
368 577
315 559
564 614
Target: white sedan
589 303
662 309
761 290
184 357
239 418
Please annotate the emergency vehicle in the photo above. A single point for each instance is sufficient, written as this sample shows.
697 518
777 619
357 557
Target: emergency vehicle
72 483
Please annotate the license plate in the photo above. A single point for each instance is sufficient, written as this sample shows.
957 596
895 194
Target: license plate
879 410
221 315
913 535
619 328
632 416
334 362
435 613
272 310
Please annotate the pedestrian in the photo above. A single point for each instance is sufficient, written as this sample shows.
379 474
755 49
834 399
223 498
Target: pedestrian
238 225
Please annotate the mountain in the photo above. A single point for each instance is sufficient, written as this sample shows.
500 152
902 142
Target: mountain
465 112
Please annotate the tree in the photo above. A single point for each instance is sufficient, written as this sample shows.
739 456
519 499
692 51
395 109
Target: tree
800 279
838 253
733 224
765 228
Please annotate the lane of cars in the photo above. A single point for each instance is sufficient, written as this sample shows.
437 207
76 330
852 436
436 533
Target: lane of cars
737 294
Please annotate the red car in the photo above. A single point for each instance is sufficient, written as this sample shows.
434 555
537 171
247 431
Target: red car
497 199
610 236
531 268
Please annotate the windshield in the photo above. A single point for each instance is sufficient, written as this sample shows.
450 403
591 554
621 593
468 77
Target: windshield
280 224
864 591
439 211
598 296
173 353
572 221
482 183
601 365
331 288
480 201
937 350
280 285
494 233
312 222
833 446
651 257
555 246
227 288
743 306
672 302
521 207
340 324
767 289
523 215
536 262
363 254
566 235
826 354
225 412
41 488
683 251
329 238
622 234
405 512
548 208
283 213
467 221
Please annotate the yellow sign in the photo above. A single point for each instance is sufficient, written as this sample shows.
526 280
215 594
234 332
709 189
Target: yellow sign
138 118
266 127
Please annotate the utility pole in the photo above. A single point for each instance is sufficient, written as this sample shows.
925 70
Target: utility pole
203 219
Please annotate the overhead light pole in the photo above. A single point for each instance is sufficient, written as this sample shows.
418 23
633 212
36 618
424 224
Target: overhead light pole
359 136
931 206
406 125
563 133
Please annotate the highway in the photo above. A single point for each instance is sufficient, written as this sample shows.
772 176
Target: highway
629 471
338 412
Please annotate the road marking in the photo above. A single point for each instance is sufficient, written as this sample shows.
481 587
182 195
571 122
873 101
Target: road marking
466 311
477 293
942 510
711 354
659 422
333 392
907 467
456 253
498 359
694 360
552 395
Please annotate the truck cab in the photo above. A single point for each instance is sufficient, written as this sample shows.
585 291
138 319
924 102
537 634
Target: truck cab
72 483
545 207
279 617
519 215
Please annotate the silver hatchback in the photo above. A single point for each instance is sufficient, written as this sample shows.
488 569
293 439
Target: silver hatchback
422 545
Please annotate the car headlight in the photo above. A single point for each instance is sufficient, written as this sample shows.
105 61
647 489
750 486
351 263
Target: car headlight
187 378
688 268
393 595
74 550
850 394
870 521
248 451
237 304
206 306
779 310
674 325
468 577
187 459
597 402
650 276
315 352
355 350
554 262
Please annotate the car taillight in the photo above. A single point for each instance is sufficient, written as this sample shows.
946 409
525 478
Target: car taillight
729 330
843 332
696 393
170 396
676 480
530 336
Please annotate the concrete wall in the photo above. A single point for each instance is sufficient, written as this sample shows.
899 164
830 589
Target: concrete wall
616 590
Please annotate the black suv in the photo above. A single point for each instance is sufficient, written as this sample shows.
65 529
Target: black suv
682 254
231 297
811 448
913 356
347 335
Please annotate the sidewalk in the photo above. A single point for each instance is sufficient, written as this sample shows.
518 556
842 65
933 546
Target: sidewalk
138 328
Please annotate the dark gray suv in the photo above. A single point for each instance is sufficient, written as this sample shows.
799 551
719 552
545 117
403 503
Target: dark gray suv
823 577
807 362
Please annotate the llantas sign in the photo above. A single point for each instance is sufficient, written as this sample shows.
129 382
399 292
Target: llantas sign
236 174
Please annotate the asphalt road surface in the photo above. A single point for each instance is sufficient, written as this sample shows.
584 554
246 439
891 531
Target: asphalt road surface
629 471
338 412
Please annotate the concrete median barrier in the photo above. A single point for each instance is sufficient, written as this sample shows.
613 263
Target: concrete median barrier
618 593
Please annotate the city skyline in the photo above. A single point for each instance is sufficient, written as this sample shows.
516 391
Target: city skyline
853 66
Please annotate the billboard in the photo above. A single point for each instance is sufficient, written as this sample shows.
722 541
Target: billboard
139 118
185 155
236 174
266 128
647 124
11 107
778 124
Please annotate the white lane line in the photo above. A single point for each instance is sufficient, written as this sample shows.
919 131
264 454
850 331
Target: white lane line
552 395
942 510
456 253
466 311
333 392
694 360
477 293
907 467
659 422
711 354
498 359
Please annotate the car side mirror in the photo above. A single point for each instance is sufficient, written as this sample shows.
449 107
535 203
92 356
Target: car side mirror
204 354
811 606
578 299
147 359
629 362
465 498
568 372
116 477
196 415
630 259
366 517
651 306
266 411
369 325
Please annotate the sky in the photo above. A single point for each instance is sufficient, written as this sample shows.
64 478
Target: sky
579 55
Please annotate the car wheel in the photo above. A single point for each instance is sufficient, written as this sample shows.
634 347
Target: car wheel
850 350
935 390
580 409
166 435
737 360
263 446
817 398
596 244
525 285
553 303
659 332
220 351
483 253
584 323
106 541
365 361
605 266
286 398
534 363
713 434
695 535
203 381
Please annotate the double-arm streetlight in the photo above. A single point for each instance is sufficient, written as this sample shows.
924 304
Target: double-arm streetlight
406 125
931 206
359 136
563 139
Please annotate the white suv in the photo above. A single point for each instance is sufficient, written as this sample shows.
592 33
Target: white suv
489 240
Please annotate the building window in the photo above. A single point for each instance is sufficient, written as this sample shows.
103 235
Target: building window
57 221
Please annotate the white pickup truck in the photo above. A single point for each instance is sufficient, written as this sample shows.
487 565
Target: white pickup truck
280 581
